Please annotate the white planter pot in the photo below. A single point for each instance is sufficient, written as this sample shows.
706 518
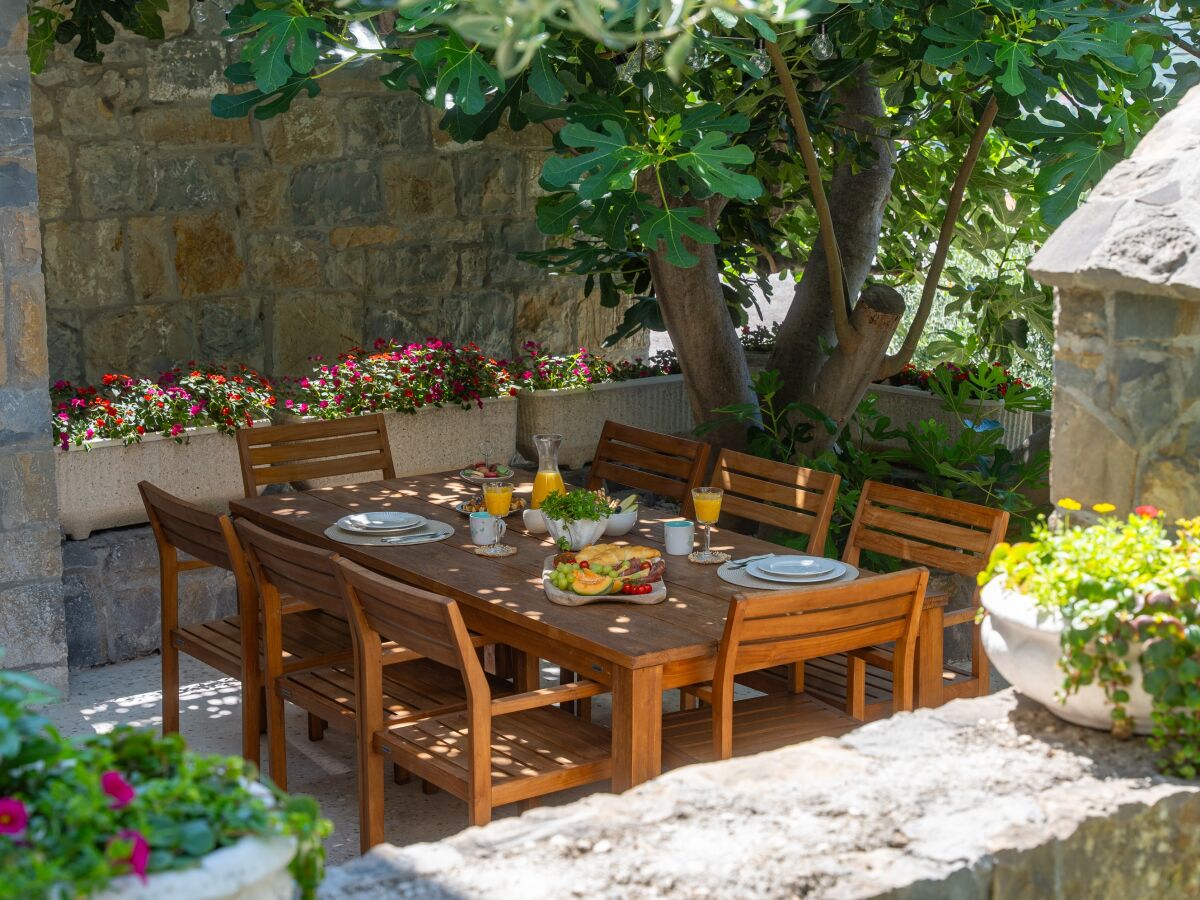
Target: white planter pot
580 534
97 487
434 439
659 403
907 405
1024 644
252 869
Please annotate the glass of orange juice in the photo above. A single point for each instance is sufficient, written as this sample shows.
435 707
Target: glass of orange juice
497 498
707 503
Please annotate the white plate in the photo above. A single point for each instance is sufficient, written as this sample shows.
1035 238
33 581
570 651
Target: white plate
796 565
505 474
742 578
382 522
758 572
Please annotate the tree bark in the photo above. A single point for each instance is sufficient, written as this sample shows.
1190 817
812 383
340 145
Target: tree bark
856 200
705 339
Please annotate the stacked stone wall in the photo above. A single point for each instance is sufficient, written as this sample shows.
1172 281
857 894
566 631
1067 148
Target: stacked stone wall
172 235
31 606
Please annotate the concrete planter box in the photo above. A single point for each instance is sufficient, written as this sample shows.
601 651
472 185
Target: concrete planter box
908 405
1024 644
757 360
97 487
434 439
578 414
252 869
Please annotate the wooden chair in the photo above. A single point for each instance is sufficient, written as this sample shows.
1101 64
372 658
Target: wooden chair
280 454
769 628
532 748
777 494
937 532
230 645
648 461
325 687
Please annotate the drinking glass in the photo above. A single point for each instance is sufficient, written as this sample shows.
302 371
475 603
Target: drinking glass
707 502
497 498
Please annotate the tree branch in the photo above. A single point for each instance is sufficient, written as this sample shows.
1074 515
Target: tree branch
837 282
897 361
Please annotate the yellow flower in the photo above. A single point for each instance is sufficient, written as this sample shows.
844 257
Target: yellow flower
1068 503
1103 508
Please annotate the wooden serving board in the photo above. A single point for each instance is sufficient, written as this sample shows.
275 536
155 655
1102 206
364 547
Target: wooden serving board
570 598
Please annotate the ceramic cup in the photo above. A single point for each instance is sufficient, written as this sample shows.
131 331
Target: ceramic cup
678 536
486 529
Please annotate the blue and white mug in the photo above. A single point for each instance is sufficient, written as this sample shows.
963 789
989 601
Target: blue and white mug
486 529
678 536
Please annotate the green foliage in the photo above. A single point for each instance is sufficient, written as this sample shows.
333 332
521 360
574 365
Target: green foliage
91 22
1124 591
577 505
776 431
79 832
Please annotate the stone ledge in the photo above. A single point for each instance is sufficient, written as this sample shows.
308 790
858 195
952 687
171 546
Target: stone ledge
990 798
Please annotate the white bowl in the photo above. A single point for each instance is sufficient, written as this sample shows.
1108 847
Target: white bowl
579 534
621 523
535 522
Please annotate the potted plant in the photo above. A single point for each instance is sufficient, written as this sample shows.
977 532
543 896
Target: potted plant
575 394
575 519
172 431
445 405
131 814
1110 614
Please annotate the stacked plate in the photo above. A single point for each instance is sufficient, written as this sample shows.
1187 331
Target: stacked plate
380 523
796 569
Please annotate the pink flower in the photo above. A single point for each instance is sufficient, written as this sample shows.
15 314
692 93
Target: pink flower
176 430
13 816
194 409
303 407
89 434
139 852
1147 511
118 788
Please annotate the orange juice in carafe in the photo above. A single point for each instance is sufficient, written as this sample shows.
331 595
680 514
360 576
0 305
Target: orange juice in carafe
548 479
546 483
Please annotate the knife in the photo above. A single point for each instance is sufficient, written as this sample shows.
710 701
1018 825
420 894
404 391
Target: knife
415 538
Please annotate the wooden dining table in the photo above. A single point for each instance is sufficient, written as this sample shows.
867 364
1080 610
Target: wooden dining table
637 651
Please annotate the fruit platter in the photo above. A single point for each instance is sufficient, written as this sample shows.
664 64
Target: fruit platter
483 472
605 572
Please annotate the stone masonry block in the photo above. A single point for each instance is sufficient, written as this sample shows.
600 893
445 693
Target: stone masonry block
207 260
180 183
147 338
32 627
30 553
231 331
18 183
84 263
184 70
27 494
27 319
488 182
99 102
304 324
388 122
55 192
285 261
339 193
189 125
20 240
310 131
151 272
419 185
108 178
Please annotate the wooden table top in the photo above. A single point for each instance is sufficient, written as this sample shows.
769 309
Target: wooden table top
687 625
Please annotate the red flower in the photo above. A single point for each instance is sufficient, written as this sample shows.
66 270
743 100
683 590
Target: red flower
13 816
1146 511
118 788
139 852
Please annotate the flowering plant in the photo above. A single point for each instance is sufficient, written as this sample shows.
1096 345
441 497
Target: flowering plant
760 338
123 408
543 371
401 377
664 362
1125 590
74 816
973 383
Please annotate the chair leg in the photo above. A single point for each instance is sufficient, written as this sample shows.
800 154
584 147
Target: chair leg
276 738
566 676
428 788
856 687
688 701
262 710
479 811
796 678
980 666
370 796
316 728
170 686
529 803
253 721
400 775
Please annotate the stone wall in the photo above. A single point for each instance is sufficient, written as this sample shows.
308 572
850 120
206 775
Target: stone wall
172 235
31 605
1126 268
111 595
988 799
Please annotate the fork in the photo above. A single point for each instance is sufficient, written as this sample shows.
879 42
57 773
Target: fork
742 563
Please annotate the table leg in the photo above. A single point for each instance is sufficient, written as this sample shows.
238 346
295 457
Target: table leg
527 671
929 658
636 726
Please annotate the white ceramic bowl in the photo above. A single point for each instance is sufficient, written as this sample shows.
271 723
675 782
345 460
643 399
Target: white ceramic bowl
579 534
621 523
535 522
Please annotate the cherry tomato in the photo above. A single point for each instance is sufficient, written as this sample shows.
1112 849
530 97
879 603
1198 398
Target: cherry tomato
585 564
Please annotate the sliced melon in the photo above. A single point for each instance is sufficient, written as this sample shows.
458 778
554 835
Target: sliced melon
589 584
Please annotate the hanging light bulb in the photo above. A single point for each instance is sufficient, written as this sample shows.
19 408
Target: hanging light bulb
822 47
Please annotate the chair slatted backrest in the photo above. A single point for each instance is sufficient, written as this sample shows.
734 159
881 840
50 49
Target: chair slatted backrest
185 526
772 628
427 623
278 454
924 529
775 493
286 568
649 461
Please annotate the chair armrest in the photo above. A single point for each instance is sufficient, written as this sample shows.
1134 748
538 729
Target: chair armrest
874 656
699 691
503 706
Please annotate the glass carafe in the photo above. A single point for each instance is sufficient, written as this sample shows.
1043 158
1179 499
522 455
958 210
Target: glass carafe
548 479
